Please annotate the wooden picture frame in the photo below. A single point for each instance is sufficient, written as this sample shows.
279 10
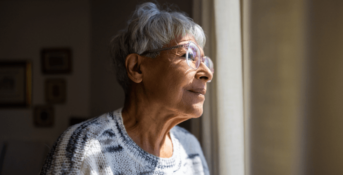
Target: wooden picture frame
43 116
56 60
15 84
55 90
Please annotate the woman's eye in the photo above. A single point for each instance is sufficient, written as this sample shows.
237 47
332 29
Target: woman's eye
191 56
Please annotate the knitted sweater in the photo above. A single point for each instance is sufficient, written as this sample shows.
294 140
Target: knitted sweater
102 146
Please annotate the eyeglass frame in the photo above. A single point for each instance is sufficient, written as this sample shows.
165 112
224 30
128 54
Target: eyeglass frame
202 58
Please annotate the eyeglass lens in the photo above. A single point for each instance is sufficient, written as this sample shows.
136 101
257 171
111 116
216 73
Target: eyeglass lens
193 54
209 63
193 57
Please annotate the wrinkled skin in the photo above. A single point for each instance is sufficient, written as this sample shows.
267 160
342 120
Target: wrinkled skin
165 92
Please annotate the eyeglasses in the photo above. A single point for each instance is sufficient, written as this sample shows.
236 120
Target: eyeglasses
193 55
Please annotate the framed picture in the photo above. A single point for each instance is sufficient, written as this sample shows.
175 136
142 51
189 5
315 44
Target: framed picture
55 90
43 116
56 61
15 84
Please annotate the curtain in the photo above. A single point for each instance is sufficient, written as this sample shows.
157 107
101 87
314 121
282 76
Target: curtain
223 119
229 86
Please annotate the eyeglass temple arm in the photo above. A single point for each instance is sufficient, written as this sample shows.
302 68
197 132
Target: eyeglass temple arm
162 49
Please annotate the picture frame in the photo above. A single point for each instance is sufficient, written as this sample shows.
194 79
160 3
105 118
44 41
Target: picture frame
15 84
43 116
55 90
56 60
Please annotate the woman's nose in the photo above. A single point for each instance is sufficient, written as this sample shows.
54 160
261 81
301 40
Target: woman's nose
204 73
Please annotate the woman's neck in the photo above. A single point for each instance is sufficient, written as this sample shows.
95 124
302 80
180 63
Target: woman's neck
148 125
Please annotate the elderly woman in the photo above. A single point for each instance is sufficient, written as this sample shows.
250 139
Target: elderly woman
161 66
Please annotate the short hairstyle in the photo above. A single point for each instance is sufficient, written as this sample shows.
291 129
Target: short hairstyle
150 28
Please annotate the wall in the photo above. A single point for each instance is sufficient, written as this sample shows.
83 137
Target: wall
26 28
84 26
324 144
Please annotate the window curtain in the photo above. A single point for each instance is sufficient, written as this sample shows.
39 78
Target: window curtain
229 86
223 118
274 105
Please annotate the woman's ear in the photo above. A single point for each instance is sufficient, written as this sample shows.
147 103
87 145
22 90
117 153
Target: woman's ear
132 64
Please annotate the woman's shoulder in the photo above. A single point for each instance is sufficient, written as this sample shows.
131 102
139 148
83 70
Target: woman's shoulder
93 128
73 144
180 130
191 146
184 136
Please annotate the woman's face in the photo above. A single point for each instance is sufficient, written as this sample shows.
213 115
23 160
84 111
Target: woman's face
170 82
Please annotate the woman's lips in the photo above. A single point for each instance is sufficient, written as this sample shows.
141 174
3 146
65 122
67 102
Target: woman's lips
198 91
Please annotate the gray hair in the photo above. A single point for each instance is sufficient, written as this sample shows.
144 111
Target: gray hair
150 28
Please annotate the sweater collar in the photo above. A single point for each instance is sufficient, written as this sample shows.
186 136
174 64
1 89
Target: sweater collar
137 153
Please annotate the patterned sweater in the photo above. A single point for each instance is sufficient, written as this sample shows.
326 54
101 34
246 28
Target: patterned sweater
102 146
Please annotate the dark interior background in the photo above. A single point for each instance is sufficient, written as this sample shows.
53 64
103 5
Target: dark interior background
86 27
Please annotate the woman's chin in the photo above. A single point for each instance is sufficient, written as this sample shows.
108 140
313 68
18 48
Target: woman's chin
195 111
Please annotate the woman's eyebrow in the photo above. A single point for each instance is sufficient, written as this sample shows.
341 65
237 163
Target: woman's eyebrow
181 49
